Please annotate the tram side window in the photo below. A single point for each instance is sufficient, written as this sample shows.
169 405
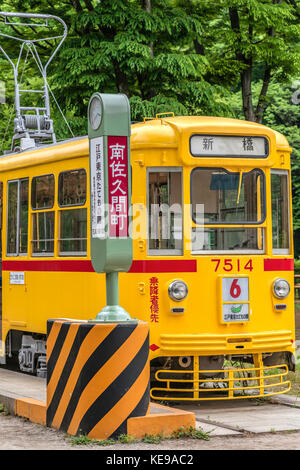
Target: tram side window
23 216
42 192
42 197
165 211
72 221
280 211
43 233
72 188
17 217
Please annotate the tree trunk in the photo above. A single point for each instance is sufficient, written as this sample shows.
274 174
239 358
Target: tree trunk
262 102
146 4
246 82
246 74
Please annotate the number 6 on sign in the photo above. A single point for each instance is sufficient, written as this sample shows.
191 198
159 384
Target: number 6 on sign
235 289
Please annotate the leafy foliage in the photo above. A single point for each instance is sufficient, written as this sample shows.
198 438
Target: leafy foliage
227 57
123 46
283 115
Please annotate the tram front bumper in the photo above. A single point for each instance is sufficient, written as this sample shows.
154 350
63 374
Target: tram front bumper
207 344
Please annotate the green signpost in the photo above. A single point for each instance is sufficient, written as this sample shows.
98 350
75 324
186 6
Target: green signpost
110 189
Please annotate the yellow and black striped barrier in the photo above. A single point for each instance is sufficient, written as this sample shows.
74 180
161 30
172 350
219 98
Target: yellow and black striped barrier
97 376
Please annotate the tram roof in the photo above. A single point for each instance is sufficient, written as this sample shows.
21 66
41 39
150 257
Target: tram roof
157 132
72 148
167 130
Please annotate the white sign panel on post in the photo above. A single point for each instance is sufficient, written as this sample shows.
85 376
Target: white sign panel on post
97 188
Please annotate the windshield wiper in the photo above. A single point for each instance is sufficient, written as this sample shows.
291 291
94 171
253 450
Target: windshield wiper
240 187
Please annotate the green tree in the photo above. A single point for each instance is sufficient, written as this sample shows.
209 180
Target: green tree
251 40
137 47
283 115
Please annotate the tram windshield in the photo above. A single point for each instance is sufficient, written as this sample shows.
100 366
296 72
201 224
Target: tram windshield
227 197
221 197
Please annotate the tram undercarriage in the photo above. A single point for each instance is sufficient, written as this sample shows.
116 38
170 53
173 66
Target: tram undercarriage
27 352
189 378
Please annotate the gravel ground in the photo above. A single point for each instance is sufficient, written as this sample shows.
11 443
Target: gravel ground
20 434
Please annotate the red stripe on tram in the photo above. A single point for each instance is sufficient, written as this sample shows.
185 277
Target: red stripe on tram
164 266
138 266
278 264
48 265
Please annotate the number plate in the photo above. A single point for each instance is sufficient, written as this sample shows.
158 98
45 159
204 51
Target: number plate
16 278
235 289
235 299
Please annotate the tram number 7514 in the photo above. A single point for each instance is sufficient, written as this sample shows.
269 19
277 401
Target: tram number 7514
229 265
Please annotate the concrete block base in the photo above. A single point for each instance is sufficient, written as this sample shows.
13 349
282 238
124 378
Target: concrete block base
161 420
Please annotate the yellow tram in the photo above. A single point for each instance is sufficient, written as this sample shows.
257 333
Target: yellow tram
212 274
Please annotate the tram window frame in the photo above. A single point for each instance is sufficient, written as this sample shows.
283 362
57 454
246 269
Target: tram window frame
162 251
231 226
36 214
72 207
237 250
18 251
61 240
282 173
240 223
34 192
59 188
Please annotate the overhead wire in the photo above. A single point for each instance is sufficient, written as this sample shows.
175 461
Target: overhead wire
13 106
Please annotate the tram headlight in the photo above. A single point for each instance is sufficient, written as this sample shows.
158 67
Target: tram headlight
178 290
281 288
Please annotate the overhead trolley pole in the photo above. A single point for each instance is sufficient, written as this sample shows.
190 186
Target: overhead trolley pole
32 124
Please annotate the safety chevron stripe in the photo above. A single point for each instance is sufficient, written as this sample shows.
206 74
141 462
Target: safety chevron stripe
97 376
81 353
109 406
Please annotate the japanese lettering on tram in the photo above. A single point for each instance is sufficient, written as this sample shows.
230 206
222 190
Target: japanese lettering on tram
154 298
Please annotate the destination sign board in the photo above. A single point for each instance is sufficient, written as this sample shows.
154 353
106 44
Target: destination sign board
110 182
118 185
204 145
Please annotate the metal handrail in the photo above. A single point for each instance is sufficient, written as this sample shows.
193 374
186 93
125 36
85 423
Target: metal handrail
230 385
